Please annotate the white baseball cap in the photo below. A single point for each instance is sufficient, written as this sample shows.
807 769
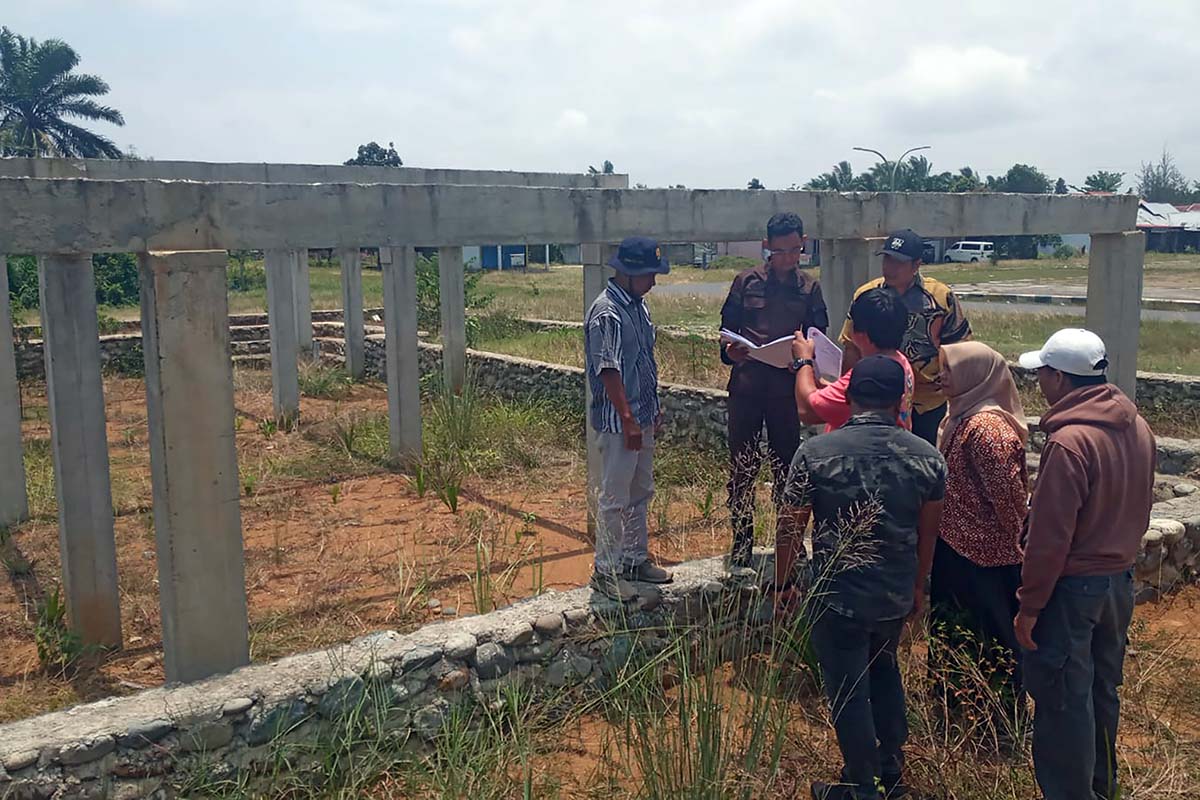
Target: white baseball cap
1071 350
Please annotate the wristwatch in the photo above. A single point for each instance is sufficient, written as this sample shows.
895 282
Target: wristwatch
800 363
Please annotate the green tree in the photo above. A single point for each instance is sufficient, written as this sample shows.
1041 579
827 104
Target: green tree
606 168
1102 181
39 92
1163 182
755 183
839 179
1022 179
372 154
1060 186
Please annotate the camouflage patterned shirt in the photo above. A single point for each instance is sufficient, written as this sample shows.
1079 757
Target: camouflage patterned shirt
865 483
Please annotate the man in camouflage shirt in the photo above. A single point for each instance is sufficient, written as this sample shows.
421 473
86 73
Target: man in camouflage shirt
874 492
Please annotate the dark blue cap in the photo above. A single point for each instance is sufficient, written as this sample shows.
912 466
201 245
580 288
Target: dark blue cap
905 245
877 381
640 255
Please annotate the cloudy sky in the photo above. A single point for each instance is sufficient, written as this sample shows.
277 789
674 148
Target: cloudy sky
708 93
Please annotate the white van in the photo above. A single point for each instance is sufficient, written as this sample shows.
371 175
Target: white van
970 251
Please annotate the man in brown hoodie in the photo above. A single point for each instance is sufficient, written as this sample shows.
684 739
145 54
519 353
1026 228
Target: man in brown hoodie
1089 511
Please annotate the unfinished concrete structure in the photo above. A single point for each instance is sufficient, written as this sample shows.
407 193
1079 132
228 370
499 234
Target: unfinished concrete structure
182 227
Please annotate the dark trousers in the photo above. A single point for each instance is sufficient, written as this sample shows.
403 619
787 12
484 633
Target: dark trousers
926 424
866 696
1073 677
971 615
769 399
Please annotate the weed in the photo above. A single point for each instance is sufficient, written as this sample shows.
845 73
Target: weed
706 505
347 433
335 492
418 479
268 428
323 381
58 647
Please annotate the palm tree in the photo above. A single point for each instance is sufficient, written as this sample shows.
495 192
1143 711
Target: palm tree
38 91
755 183
839 179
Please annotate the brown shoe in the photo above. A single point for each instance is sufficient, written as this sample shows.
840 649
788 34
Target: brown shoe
613 587
646 572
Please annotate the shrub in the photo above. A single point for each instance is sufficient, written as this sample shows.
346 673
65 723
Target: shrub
1064 251
429 310
117 282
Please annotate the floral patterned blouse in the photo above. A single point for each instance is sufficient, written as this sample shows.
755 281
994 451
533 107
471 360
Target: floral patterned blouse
986 491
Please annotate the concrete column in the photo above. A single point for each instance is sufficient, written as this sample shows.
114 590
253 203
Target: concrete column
403 370
193 463
595 275
281 316
846 264
1114 301
75 394
454 317
302 289
352 311
14 503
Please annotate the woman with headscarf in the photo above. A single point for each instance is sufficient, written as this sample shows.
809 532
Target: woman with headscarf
977 563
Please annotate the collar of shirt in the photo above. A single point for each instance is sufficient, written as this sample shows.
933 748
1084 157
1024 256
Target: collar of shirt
620 295
766 273
872 418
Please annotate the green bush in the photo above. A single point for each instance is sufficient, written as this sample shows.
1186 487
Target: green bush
429 310
1065 251
738 263
116 274
246 271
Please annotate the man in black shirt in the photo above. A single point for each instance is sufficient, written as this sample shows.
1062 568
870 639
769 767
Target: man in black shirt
874 492
774 299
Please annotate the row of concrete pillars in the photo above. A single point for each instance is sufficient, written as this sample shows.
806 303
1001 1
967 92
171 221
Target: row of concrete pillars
189 396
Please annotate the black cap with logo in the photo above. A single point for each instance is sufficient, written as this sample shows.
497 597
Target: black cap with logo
640 255
877 381
905 245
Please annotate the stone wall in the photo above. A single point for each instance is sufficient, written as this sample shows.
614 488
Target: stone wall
140 746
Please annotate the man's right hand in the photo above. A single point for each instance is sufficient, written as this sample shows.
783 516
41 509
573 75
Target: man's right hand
633 434
737 352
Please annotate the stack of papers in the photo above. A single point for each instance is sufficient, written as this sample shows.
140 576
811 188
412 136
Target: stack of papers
778 353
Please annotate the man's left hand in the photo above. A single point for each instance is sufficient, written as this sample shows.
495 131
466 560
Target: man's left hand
1023 625
802 347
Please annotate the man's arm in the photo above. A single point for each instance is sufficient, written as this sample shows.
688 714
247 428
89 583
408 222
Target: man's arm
789 548
928 522
955 325
731 319
614 387
1057 497
806 380
818 314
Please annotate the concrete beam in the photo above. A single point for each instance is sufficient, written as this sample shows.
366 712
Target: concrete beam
454 317
846 264
302 296
596 273
14 502
352 311
123 170
75 394
193 464
1114 301
135 216
402 367
281 316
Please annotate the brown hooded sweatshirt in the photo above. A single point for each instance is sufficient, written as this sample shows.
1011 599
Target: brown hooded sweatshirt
1091 503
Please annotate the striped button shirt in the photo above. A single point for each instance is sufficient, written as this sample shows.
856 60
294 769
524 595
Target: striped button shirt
620 336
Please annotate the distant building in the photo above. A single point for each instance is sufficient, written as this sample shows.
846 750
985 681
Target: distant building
1169 229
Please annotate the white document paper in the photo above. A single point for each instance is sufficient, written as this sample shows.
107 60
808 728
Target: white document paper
827 355
777 353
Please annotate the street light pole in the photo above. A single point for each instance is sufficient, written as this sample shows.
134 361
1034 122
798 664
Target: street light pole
896 163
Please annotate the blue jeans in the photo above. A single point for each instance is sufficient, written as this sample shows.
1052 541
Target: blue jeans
866 696
1073 677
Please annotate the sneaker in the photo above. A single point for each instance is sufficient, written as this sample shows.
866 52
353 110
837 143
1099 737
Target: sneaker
612 587
646 572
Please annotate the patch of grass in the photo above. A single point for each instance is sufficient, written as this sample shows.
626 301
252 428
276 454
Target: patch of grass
39 478
58 647
323 381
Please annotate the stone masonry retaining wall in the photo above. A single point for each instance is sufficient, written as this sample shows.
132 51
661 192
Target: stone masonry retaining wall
140 746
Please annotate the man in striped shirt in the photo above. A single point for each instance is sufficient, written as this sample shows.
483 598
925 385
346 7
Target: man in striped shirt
624 412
